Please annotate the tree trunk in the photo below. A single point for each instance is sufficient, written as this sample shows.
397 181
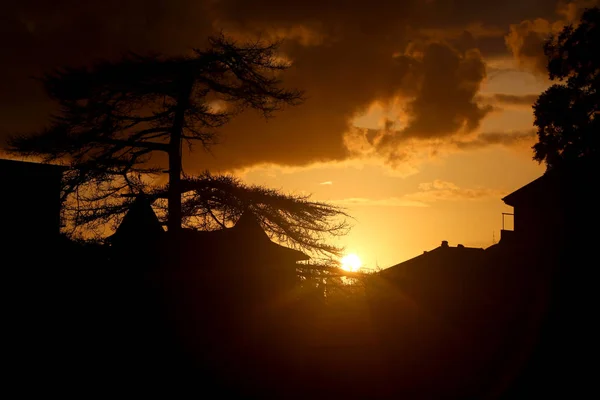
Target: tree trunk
174 193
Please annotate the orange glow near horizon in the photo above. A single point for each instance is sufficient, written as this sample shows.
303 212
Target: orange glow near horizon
400 210
351 262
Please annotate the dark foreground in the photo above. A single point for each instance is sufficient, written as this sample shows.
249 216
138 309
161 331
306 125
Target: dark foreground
499 330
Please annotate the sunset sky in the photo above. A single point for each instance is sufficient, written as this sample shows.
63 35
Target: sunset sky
418 113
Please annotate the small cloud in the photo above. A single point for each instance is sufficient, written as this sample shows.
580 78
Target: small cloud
385 202
429 192
326 183
509 100
438 190
437 185
522 100
512 139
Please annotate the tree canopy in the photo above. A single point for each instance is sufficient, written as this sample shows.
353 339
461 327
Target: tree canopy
216 201
566 114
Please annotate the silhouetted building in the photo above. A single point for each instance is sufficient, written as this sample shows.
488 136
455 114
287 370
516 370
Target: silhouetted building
557 206
240 261
439 279
139 226
244 242
441 260
547 262
241 257
30 201
515 319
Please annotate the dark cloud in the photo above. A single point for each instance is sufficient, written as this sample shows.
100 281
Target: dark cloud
526 38
507 139
520 100
500 100
445 101
451 13
347 55
526 42
406 156
38 35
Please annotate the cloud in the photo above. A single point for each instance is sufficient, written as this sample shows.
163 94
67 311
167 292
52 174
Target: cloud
326 183
526 42
439 190
506 139
509 100
571 10
38 35
437 185
408 154
441 103
526 39
473 30
436 83
428 193
432 114
385 202
430 56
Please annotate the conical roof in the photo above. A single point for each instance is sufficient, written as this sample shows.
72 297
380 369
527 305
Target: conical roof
249 225
140 222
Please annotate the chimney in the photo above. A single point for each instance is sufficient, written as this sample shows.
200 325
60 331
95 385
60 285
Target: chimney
444 243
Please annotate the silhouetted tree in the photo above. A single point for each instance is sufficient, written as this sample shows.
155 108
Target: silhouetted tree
116 119
114 115
214 202
566 114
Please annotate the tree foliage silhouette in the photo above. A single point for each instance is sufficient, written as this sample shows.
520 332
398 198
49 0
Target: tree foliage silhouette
214 202
566 114
118 120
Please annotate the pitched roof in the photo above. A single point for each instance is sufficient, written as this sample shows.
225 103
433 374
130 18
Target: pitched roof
10 164
246 235
442 256
248 224
575 175
533 189
24 172
139 223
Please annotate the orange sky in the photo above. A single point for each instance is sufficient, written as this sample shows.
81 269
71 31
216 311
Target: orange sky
454 196
418 114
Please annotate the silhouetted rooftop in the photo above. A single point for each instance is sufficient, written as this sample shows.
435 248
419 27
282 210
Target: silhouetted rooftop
443 256
247 234
140 222
553 181
6 163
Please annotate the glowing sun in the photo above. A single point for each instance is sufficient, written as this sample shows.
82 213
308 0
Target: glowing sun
351 262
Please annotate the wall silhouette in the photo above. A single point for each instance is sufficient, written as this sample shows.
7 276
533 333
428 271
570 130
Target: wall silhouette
30 200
